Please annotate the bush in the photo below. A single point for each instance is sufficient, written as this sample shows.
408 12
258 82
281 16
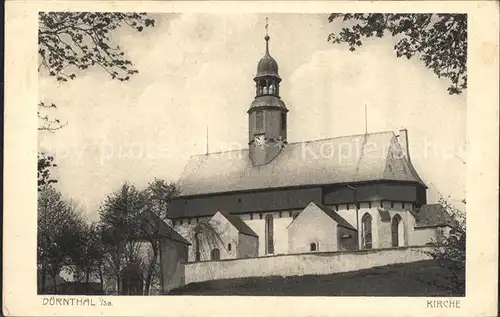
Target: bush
450 251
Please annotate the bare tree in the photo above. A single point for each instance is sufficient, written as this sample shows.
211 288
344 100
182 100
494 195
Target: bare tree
205 235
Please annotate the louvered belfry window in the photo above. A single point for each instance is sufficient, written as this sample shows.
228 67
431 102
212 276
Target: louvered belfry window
259 119
269 234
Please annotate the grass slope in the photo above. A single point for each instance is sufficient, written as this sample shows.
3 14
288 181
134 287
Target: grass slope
422 278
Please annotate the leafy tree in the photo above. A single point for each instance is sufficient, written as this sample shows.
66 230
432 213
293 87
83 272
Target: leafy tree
71 41
449 249
439 40
134 218
57 233
45 163
46 122
122 238
158 195
87 253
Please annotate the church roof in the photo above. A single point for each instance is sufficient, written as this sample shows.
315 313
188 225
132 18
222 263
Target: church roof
335 216
239 224
433 215
268 101
349 159
164 230
267 66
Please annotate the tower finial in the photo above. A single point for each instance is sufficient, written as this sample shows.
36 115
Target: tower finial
267 36
267 26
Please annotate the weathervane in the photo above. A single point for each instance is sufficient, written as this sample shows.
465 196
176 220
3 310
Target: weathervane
267 26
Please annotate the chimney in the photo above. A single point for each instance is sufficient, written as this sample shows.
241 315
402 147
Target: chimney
403 141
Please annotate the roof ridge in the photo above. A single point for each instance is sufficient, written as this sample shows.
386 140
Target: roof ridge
234 218
342 136
299 142
316 162
333 214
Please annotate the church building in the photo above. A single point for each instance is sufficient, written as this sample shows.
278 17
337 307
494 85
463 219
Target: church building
339 194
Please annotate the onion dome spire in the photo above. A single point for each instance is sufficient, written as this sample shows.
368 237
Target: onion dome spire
267 65
267 113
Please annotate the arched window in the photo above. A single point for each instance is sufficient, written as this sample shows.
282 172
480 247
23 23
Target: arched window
215 255
366 233
295 215
313 247
269 234
262 85
229 246
397 231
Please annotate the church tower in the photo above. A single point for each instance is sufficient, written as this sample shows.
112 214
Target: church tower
267 113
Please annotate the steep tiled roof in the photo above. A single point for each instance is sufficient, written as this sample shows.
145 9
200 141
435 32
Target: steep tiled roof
164 230
335 216
350 159
239 224
433 215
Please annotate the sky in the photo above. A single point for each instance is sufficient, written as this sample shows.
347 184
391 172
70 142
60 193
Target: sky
196 74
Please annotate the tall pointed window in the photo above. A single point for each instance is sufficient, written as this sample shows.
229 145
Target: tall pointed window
397 231
283 121
366 233
259 119
269 234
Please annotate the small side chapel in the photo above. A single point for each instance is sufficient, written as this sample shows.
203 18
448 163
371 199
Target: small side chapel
279 198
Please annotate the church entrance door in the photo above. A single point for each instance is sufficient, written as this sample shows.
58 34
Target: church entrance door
215 255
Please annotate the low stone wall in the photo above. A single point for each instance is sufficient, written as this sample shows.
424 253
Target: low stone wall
302 264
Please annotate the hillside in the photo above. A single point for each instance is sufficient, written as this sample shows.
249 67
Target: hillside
422 278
